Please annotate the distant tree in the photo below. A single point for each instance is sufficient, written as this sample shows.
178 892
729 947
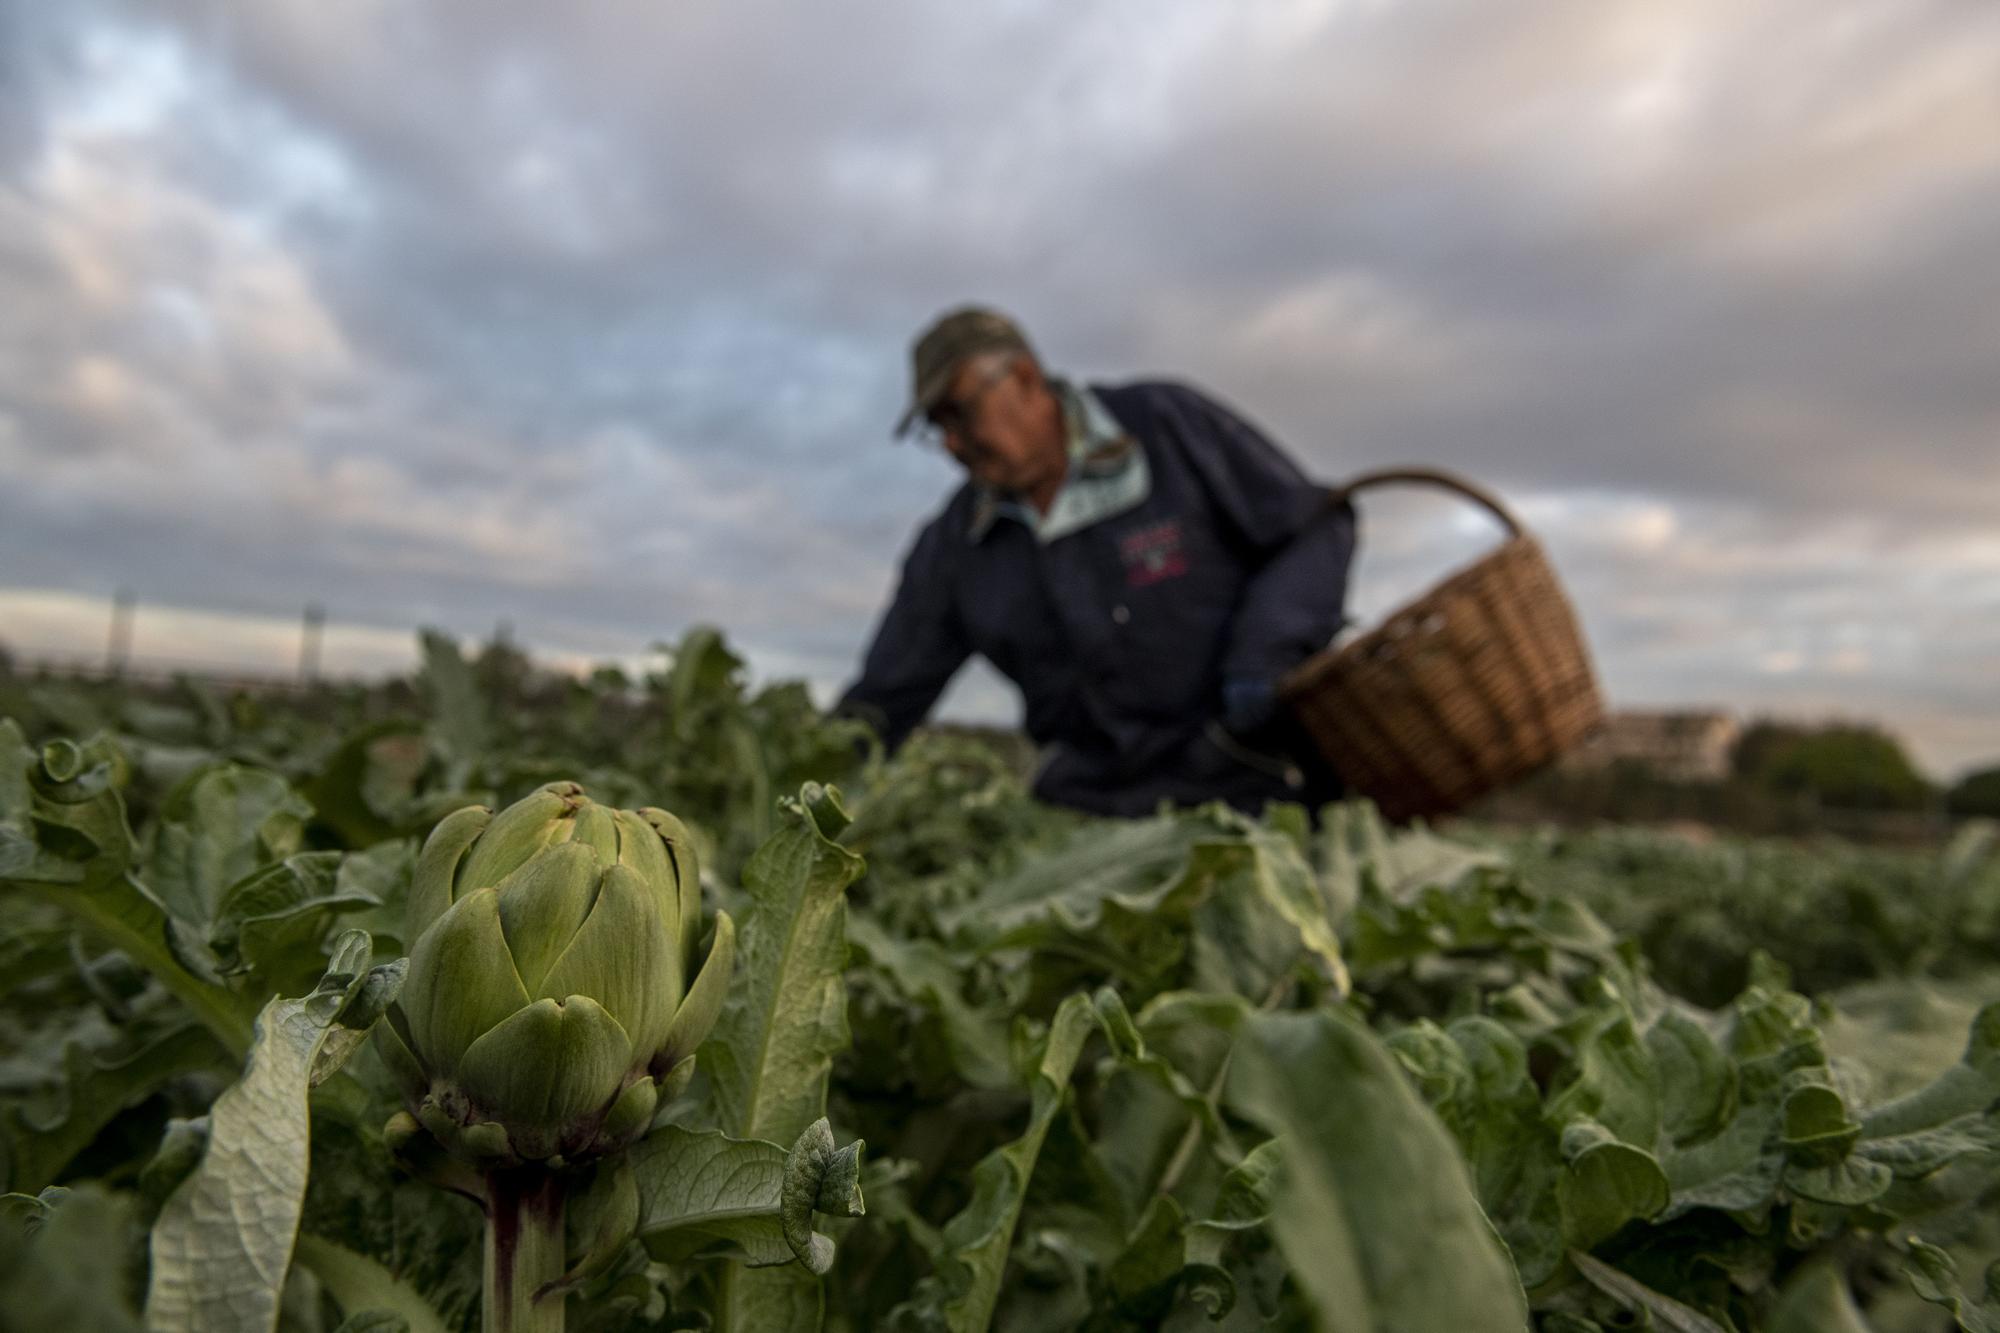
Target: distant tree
1762 742
502 669
609 678
1845 767
1976 794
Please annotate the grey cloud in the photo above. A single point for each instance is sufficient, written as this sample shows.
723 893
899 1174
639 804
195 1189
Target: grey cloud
594 320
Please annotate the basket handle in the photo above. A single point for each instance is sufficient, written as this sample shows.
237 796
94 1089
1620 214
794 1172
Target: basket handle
1430 477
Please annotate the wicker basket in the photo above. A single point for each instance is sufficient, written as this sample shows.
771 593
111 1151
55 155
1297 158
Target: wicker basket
1478 682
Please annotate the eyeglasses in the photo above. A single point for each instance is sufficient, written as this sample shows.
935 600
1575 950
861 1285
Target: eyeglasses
952 416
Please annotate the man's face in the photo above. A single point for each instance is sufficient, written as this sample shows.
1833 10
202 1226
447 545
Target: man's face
1003 424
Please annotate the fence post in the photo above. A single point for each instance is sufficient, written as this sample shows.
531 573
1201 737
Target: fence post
118 651
310 634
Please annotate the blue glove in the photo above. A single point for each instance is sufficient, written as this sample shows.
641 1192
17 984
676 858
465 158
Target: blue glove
1249 703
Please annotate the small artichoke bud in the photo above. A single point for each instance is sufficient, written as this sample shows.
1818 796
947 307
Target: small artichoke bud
630 1114
400 1131
552 983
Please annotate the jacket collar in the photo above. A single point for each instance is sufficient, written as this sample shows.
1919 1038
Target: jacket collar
1107 475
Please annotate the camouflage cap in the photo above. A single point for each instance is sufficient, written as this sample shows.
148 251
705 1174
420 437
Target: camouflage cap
937 353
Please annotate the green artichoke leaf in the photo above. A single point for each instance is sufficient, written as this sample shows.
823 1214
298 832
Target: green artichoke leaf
1128 1044
375 786
1474 1073
1148 866
1817 1300
1816 1124
58 1255
1168 1251
1736 1170
1616 1084
181 1148
1698 1088
366 1290
271 923
977 1241
1662 1310
463 725
1143 1275
242 896
600 1219
1968 1088
1242 1205
769 1057
704 1192
381 874
931 977
223 1243
62 819
1605 1183
64 838
1356 847
1380 1220
217 828
818 1178
1933 1274
99 1080
1739 1167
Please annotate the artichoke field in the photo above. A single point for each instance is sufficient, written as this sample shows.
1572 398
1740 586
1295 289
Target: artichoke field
327 1016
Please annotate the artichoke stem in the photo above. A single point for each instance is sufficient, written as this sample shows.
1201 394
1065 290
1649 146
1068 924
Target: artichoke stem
524 1250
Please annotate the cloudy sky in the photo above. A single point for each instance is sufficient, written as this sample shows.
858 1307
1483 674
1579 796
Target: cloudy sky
592 318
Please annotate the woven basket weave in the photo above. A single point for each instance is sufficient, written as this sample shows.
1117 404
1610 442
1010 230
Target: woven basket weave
1480 681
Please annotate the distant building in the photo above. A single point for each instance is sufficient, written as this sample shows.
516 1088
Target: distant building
1684 747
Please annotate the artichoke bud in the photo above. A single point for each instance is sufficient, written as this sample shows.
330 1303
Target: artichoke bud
487 1141
631 1114
551 979
400 1131
675 1081
483 1142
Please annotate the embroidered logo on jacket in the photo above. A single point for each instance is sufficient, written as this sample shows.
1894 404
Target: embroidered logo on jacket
1153 553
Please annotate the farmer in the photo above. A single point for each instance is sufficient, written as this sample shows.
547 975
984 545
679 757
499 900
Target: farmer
1139 560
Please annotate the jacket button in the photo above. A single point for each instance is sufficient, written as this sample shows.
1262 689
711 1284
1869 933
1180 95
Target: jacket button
1119 614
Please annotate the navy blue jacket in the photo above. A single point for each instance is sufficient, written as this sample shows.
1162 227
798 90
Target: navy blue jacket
1120 634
